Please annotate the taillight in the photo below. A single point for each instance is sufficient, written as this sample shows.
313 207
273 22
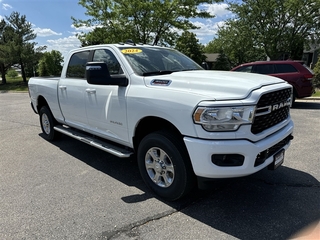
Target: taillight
307 77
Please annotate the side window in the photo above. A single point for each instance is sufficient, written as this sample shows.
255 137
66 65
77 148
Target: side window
77 65
285 68
104 55
247 69
264 68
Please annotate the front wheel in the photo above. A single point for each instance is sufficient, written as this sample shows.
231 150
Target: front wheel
165 165
47 123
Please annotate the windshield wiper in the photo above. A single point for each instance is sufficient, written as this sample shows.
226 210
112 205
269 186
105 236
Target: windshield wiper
163 72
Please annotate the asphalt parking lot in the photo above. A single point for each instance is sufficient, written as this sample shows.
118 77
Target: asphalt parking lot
69 190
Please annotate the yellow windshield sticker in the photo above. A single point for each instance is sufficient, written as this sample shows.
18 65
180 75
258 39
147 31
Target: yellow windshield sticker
131 51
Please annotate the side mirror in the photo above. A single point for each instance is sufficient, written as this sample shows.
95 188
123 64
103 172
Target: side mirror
204 65
97 73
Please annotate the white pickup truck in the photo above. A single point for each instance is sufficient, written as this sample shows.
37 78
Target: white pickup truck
185 125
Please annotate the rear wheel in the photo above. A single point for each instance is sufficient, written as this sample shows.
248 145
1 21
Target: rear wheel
165 166
47 123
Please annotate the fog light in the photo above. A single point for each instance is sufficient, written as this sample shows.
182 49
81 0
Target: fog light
227 160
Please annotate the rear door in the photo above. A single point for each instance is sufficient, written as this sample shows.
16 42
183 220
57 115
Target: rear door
72 89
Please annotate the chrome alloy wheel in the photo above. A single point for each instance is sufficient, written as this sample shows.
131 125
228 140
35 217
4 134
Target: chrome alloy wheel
45 123
159 167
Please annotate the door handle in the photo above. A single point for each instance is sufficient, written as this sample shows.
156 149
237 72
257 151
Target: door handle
63 87
90 90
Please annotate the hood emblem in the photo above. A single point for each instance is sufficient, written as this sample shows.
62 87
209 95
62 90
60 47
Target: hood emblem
160 82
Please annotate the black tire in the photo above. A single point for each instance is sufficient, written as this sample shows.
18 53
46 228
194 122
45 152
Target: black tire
294 96
47 123
165 165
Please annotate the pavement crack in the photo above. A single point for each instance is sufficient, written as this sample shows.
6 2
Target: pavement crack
17 122
129 227
126 229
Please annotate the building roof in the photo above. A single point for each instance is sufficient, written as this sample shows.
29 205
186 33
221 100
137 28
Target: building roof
211 57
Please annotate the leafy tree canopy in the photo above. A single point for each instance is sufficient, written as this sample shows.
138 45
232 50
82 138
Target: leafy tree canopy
16 44
280 27
149 22
6 59
189 45
234 40
50 64
222 62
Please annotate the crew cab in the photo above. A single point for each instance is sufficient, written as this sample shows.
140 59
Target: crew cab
184 124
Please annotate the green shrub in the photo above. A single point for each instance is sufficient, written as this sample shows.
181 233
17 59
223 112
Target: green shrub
316 78
12 73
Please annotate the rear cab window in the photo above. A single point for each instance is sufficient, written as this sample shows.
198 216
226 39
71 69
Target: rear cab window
77 65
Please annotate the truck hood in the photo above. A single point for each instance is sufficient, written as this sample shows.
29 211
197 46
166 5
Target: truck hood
214 85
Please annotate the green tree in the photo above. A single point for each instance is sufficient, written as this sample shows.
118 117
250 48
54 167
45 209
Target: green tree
6 58
280 27
235 40
20 44
50 63
149 22
222 62
33 61
189 45
316 78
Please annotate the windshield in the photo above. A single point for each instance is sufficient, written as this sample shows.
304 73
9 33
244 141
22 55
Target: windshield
147 61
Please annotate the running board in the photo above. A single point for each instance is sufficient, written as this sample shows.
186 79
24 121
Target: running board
88 139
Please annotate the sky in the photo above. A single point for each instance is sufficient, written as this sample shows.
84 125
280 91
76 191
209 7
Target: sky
51 21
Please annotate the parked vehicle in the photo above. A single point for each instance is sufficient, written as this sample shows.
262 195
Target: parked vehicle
295 73
186 125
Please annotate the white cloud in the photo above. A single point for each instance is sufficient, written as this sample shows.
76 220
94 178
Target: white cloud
63 45
83 28
6 6
217 9
45 32
207 30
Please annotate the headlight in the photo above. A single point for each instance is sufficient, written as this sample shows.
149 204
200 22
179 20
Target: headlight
223 118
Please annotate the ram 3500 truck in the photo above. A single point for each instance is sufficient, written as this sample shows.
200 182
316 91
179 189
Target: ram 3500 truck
185 125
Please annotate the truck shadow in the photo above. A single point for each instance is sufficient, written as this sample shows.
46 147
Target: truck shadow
265 205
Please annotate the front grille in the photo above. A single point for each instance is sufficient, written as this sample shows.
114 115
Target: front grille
262 122
270 151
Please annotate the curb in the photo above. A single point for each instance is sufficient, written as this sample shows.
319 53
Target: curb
309 98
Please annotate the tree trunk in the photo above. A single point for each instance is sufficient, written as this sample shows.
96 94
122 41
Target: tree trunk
22 71
3 74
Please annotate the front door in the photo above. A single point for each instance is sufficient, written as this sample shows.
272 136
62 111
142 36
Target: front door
106 104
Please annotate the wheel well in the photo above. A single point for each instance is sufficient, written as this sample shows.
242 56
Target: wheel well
152 124
41 102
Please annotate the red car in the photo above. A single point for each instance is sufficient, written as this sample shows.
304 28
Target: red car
294 72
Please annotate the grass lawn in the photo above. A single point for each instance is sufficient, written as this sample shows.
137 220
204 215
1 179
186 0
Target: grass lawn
317 94
14 84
